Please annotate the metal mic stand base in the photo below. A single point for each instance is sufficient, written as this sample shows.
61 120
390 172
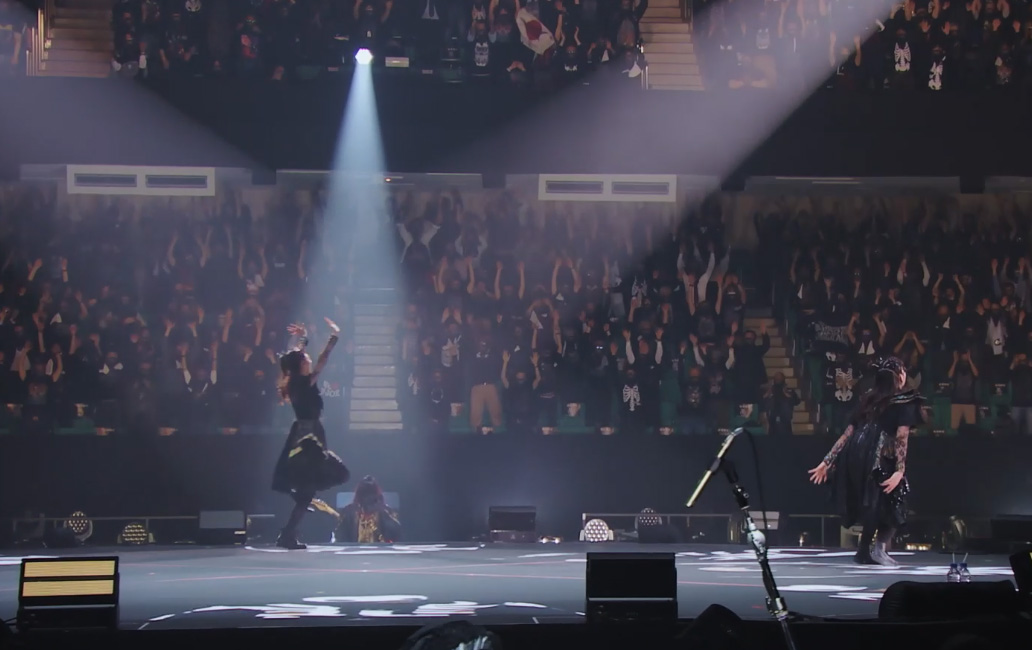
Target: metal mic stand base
775 603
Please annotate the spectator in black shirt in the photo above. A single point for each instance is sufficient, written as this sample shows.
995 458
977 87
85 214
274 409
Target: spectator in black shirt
780 402
435 402
841 377
694 410
520 400
749 370
544 368
1021 387
12 29
599 367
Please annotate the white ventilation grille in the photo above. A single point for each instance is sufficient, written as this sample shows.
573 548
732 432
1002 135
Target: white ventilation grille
140 181
590 187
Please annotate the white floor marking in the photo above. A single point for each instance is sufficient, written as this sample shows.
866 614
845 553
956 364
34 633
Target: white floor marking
819 588
531 605
869 596
435 610
277 611
366 599
927 570
397 549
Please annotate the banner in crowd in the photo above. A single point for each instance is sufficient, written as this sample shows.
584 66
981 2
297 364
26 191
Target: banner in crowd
833 335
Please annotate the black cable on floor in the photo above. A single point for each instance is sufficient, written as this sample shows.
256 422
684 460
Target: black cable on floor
6 632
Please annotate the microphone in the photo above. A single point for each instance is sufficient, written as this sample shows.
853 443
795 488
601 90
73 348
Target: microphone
715 465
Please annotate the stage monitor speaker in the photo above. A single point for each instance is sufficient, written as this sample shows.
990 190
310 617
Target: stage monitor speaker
631 587
944 601
1021 565
661 534
68 594
512 524
716 628
60 538
1011 529
222 527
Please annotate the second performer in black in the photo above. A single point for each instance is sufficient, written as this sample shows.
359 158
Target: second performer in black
867 465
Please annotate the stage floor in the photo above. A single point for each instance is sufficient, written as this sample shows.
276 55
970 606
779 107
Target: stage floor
199 587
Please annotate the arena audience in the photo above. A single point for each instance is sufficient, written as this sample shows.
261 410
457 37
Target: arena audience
547 41
924 45
853 292
162 316
613 320
912 45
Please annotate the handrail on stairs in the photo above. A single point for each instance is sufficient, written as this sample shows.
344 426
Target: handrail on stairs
40 39
686 10
645 66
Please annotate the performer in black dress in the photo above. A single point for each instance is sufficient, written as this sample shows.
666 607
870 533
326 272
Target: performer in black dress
868 463
305 465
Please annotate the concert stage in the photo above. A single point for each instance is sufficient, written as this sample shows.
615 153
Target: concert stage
207 587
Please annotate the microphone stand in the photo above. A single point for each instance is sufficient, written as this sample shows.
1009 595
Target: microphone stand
775 603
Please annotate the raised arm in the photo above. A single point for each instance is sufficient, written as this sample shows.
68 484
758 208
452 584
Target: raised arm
324 356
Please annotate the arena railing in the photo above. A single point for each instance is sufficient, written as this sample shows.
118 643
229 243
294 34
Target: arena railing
665 517
116 526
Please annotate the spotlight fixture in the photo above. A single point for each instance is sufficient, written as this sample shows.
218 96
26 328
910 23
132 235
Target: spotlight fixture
134 533
596 530
80 525
647 519
363 57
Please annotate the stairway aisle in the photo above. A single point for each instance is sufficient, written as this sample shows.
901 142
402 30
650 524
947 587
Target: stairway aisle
374 404
669 50
80 40
779 359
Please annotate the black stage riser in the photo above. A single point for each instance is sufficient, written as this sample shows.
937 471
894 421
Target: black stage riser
446 485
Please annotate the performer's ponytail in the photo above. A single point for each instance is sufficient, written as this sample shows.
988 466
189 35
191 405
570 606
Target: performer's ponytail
290 365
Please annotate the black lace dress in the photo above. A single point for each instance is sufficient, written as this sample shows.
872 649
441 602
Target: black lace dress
305 465
868 454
